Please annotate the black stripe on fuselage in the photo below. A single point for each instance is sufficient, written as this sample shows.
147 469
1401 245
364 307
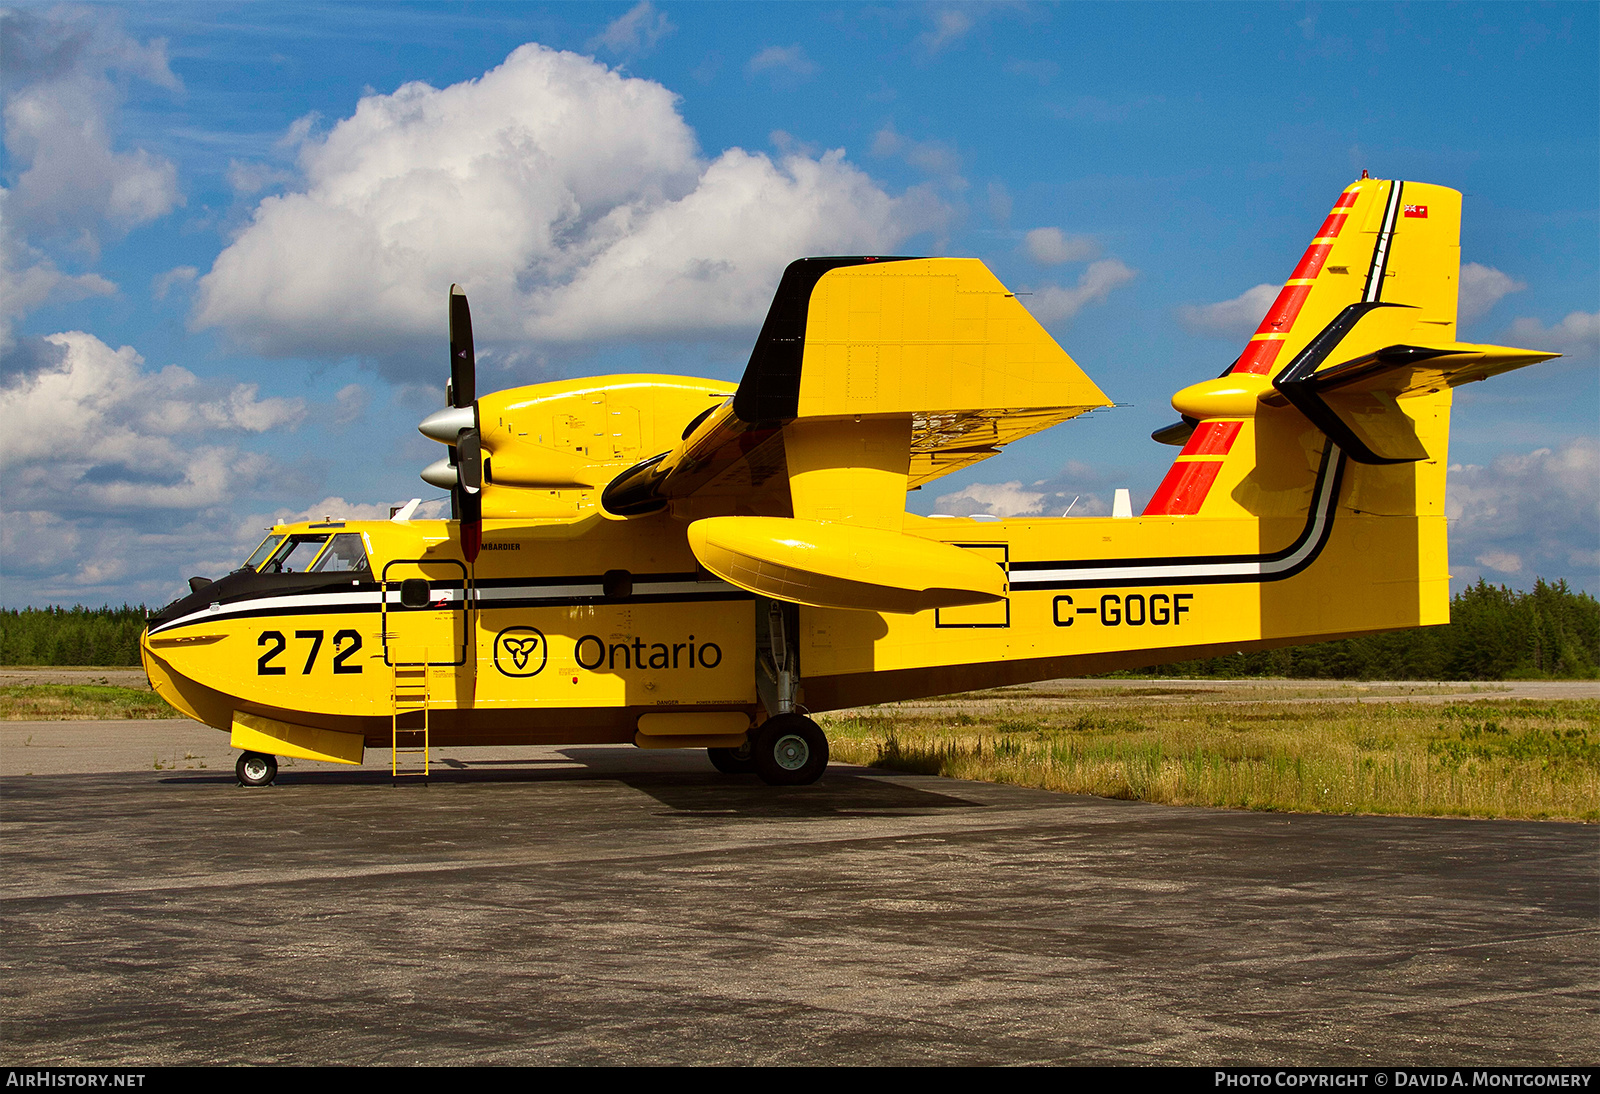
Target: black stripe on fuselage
342 600
1318 527
579 579
267 610
582 601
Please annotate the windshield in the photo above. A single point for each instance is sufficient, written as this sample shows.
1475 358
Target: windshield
267 545
344 554
295 555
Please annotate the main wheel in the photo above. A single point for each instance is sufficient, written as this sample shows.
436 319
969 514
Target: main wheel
732 761
789 750
256 769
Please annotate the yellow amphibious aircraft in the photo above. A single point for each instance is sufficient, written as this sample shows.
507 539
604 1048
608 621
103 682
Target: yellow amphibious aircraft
685 563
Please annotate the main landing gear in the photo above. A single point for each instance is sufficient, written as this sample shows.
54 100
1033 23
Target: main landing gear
256 769
788 749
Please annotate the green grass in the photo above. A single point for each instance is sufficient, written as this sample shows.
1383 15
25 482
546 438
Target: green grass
1486 758
79 702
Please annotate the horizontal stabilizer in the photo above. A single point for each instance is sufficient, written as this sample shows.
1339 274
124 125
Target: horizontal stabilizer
843 565
1410 370
1361 402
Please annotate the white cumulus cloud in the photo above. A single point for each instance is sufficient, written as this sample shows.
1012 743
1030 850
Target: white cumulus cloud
1236 318
1577 335
1054 304
164 283
1052 246
29 279
336 508
1078 490
61 71
570 201
1482 287
1503 562
634 33
934 157
97 431
1532 513
782 63
1002 499
60 112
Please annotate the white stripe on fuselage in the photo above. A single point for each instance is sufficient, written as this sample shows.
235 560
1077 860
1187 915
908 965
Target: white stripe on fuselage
1201 571
485 598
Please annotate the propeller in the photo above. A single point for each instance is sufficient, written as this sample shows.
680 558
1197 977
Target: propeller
461 471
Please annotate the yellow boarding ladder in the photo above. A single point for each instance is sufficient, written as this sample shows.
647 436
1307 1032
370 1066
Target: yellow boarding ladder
409 702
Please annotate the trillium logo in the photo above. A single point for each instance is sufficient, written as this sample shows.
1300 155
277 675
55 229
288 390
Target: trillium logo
520 651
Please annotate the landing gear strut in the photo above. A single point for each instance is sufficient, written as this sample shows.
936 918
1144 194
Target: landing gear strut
256 769
788 749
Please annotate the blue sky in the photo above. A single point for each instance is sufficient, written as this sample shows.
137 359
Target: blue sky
229 232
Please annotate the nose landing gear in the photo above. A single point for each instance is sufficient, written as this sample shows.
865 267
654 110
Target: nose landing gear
256 769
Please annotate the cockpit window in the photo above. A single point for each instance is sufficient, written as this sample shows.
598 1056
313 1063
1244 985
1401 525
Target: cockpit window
262 552
295 555
344 554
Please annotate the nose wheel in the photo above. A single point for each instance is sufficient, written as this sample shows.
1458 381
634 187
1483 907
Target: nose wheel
256 769
789 750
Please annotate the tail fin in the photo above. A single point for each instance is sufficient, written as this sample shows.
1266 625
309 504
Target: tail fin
1383 243
1360 342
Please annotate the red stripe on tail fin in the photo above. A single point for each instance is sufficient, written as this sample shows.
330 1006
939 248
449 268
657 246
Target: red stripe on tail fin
1259 356
1212 439
1184 488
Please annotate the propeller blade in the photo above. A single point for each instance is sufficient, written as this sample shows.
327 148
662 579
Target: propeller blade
455 484
463 363
465 459
469 505
469 460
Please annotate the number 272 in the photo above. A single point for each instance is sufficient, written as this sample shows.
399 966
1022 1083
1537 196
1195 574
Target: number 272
275 643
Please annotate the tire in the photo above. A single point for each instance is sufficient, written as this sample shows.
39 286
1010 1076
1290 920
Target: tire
256 769
732 761
789 750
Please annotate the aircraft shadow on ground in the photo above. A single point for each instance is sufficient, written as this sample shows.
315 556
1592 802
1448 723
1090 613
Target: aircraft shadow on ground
746 796
684 793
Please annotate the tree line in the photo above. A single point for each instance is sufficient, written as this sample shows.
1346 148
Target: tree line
1495 633
71 636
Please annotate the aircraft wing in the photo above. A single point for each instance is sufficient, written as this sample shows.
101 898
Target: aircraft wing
871 376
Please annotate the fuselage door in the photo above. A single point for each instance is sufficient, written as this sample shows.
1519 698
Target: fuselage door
427 605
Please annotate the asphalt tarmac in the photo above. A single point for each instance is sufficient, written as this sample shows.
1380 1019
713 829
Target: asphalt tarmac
606 905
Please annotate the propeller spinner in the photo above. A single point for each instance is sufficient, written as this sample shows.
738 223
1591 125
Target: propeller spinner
461 471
